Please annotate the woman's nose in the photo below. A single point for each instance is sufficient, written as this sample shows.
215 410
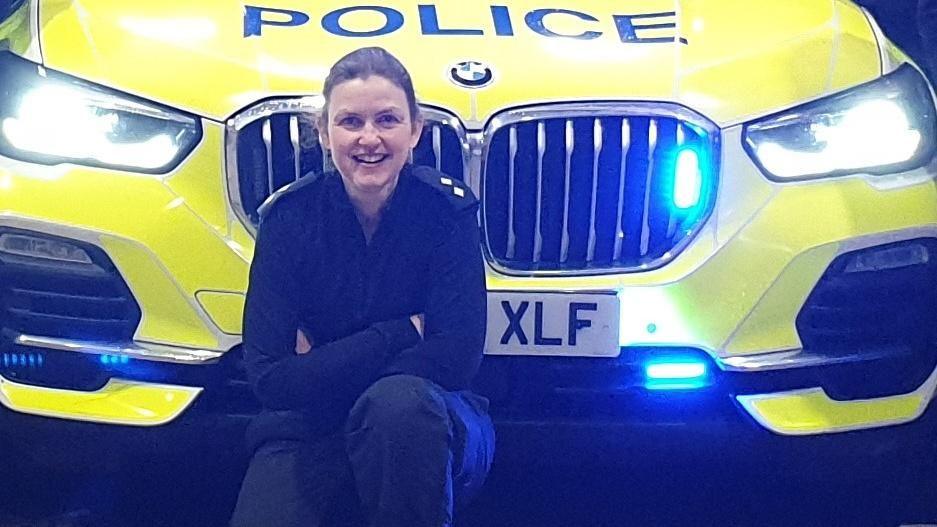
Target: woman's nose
369 135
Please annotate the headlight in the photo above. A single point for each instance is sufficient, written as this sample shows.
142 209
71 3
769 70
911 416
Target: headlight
50 118
885 126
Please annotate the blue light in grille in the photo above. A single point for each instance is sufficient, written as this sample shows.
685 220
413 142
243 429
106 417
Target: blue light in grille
688 180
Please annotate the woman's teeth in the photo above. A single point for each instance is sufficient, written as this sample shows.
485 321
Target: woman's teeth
370 159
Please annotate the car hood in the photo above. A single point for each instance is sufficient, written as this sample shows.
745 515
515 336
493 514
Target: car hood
730 60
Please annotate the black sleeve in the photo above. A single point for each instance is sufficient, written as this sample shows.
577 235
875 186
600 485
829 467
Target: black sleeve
456 312
337 371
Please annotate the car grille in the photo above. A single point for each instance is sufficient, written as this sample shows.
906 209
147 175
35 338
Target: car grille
276 143
591 193
584 188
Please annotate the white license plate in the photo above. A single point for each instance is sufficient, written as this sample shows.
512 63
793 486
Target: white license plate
566 324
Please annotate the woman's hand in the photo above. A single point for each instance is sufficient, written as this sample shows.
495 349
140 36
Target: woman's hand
418 321
303 343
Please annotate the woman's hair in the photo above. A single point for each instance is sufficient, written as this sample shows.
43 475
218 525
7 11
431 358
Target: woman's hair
365 62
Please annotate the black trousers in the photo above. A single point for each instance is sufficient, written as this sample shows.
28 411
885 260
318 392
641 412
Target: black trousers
410 455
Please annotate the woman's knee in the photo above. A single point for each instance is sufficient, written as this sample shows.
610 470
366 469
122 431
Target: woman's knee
404 404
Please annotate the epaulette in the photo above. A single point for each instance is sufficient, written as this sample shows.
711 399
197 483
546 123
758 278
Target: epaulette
264 208
455 190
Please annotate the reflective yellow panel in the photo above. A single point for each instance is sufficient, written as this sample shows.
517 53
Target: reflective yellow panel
118 402
224 308
804 412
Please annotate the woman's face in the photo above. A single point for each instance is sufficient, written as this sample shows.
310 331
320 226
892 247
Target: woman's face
370 133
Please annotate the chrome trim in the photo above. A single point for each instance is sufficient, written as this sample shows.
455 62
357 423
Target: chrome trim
541 148
294 141
312 105
267 109
136 350
437 146
885 64
623 172
443 118
569 111
33 51
570 143
267 134
646 218
789 359
599 109
596 150
512 153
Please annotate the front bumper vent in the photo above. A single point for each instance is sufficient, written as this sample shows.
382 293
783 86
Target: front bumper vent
64 299
877 302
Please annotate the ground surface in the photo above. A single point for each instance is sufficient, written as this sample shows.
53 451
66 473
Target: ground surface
714 489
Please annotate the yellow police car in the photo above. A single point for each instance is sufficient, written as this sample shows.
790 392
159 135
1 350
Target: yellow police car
693 212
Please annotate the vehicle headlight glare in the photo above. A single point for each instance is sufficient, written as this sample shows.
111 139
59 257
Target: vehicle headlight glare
882 127
48 119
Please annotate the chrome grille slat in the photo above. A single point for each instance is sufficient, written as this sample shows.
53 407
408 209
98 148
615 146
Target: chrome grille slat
437 146
541 148
596 151
570 141
646 217
622 173
294 141
267 134
512 154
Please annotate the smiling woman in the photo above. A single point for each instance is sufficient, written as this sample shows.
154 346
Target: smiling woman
364 325
370 126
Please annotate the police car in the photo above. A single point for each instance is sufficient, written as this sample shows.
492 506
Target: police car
701 214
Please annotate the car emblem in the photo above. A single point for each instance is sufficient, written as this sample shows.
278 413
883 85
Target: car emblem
471 74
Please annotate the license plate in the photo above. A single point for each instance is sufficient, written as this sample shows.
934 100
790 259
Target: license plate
565 324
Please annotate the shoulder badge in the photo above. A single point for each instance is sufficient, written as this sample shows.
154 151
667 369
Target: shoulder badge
458 193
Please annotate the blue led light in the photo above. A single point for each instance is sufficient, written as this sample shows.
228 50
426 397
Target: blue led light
676 373
688 180
113 360
675 370
22 360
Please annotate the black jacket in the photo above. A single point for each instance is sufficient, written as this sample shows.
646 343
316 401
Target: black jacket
312 269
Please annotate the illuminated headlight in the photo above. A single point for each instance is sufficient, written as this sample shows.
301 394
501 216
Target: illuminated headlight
50 118
885 126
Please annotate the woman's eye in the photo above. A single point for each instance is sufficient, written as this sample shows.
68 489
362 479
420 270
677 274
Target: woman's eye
350 122
388 119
